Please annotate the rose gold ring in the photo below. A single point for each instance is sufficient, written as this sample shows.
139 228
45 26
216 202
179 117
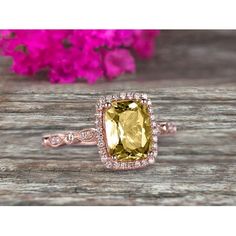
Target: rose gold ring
126 132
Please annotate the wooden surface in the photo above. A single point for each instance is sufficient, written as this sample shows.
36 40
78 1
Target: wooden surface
191 81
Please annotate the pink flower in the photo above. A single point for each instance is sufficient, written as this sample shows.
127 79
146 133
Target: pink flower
144 42
118 62
68 55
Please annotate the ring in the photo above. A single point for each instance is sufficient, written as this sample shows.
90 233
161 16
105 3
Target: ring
126 132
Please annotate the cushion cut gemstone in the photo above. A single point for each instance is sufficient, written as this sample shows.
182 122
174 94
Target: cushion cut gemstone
128 130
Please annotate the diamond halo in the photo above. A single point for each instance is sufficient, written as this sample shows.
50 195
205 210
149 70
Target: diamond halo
110 162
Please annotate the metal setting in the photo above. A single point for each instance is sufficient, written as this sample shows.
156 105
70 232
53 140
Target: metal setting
96 136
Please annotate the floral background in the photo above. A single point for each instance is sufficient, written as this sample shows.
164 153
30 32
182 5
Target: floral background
66 55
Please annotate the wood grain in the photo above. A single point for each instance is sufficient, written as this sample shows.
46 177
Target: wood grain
191 81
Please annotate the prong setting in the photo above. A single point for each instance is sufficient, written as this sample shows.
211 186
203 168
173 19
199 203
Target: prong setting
111 162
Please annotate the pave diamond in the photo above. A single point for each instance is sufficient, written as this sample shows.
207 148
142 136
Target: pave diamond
55 140
69 138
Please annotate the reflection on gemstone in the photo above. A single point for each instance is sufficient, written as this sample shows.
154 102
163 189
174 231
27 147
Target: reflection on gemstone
128 130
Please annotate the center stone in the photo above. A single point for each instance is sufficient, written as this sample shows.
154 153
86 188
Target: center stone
128 130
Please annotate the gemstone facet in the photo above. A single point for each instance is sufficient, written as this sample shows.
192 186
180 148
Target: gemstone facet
128 130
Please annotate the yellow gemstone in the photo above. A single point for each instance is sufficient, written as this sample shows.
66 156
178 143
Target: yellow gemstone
128 130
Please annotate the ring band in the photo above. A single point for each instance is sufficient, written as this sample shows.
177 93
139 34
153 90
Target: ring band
89 137
126 132
83 137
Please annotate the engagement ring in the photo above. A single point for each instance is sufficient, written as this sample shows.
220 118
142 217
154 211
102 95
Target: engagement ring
126 132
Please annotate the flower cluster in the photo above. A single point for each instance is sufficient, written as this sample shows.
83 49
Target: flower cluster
70 54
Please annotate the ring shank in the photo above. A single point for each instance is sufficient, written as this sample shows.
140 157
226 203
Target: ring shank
166 128
82 137
89 136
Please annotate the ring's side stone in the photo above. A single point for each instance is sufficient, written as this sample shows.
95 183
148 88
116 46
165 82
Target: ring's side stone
128 130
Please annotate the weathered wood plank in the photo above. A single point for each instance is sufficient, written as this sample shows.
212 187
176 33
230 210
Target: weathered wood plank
195 167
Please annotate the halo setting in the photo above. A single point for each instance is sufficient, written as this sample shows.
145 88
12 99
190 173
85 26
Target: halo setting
126 131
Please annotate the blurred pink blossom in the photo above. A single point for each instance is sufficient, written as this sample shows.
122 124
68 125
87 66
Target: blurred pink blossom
117 62
70 54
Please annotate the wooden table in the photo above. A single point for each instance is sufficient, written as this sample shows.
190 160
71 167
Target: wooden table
191 81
